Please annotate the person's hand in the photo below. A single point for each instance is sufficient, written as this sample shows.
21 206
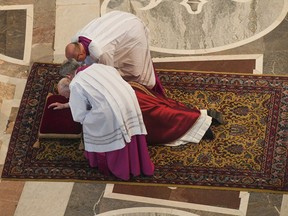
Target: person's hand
58 106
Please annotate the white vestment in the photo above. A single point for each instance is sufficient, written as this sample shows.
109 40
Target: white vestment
106 106
120 39
196 132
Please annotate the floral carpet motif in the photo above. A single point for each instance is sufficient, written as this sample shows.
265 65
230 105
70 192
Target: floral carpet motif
250 150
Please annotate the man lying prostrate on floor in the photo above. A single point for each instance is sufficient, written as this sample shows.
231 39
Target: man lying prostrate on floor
113 127
172 123
167 121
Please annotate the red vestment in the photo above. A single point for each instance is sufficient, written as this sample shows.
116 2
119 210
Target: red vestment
165 119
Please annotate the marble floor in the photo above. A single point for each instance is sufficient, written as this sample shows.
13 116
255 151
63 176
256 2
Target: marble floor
266 53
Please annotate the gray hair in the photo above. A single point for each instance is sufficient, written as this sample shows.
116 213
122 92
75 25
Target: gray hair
69 67
63 87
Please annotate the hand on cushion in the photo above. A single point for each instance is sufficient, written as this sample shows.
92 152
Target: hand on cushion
57 106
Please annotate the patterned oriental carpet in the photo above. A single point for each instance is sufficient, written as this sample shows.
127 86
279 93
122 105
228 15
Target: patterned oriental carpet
250 151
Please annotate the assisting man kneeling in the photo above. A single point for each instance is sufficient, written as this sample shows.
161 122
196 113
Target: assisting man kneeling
113 127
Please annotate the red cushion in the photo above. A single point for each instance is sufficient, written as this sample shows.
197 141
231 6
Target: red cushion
58 121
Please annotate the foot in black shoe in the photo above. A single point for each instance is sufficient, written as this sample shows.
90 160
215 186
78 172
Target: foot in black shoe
217 117
209 135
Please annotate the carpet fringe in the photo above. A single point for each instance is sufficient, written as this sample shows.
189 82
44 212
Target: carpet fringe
36 144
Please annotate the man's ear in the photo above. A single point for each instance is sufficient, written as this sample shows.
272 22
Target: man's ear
81 56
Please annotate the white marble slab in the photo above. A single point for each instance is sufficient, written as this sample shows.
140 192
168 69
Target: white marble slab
284 206
71 16
5 111
44 198
203 27
243 195
147 211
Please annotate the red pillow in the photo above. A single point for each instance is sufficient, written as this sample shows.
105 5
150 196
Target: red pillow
58 121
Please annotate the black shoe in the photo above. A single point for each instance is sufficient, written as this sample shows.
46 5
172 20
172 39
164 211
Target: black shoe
217 117
209 135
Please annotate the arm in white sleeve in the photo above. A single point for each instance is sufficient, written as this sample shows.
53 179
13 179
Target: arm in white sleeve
78 104
107 59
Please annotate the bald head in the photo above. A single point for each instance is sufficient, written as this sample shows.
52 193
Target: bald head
75 50
70 50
